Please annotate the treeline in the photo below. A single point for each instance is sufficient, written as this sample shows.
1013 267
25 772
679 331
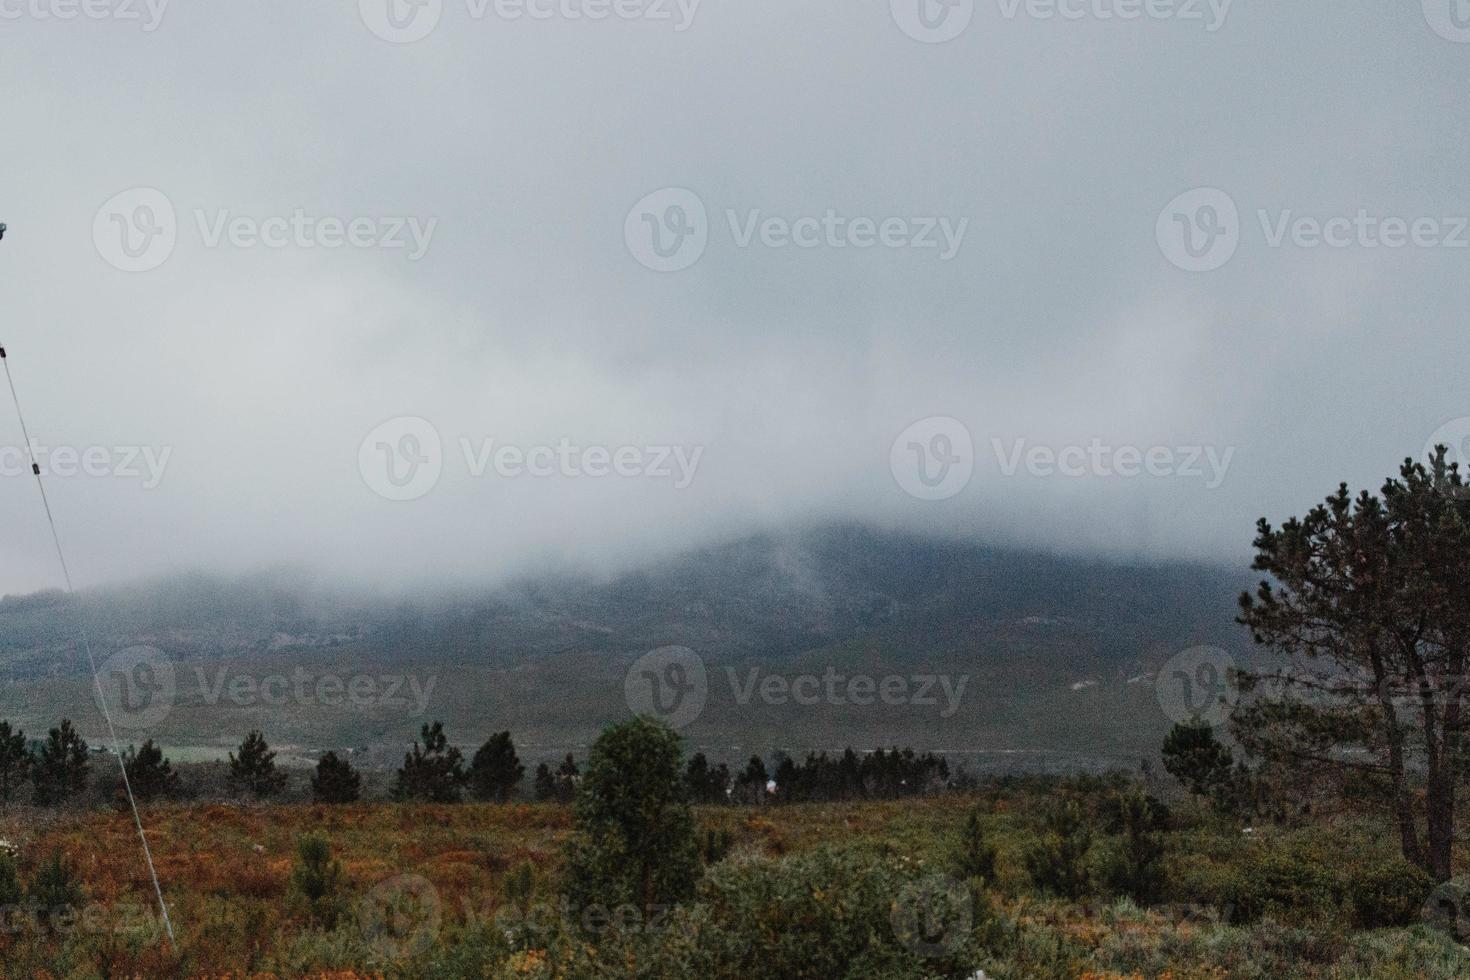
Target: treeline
59 769
880 775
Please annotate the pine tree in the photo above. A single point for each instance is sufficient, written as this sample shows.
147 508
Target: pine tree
335 780
149 773
751 783
976 855
1197 759
15 760
255 768
544 784
568 776
316 880
60 768
433 772
1057 862
633 842
495 771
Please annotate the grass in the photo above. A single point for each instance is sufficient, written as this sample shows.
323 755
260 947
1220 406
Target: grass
226 870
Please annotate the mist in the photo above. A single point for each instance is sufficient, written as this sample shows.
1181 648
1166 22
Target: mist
287 288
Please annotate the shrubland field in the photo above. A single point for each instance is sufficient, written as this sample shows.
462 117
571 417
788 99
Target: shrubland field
911 888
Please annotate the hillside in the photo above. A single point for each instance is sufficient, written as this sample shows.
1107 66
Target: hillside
1010 632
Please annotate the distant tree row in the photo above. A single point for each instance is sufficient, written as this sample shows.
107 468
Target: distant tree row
876 775
56 769
434 771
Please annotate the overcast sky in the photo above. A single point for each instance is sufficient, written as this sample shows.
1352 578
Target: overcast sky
212 272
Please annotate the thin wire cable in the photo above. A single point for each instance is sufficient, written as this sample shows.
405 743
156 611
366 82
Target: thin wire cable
87 646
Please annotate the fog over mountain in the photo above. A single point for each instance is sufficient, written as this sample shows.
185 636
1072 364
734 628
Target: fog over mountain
500 290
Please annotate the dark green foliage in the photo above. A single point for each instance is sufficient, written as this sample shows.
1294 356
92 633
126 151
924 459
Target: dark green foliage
495 771
633 843
254 770
60 768
750 785
15 760
1387 894
975 855
335 781
715 845
520 886
568 777
1367 602
149 773
1281 882
1133 864
433 772
55 895
10 890
705 783
826 914
316 879
1195 757
1057 861
544 784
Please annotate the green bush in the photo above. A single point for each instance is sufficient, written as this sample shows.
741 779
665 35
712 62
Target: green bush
1057 861
975 856
316 878
823 914
10 891
55 894
1387 894
715 845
